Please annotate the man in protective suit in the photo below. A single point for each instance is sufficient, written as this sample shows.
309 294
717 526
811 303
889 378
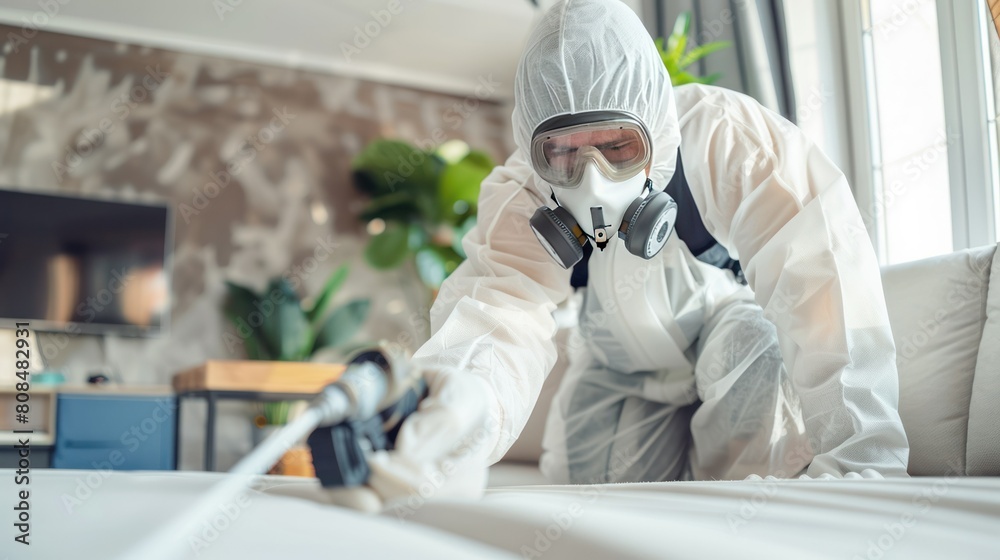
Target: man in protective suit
679 370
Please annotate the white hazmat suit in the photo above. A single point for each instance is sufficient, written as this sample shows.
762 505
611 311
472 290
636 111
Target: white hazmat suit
678 370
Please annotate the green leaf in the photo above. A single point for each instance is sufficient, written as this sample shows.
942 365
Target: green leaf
276 413
238 307
675 60
680 78
682 24
389 166
458 190
324 298
677 41
388 249
697 53
239 300
342 324
428 208
286 328
710 79
255 348
393 206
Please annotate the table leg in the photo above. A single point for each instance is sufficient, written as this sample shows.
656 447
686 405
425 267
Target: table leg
210 433
177 431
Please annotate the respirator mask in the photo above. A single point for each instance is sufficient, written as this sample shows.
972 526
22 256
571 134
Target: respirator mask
596 164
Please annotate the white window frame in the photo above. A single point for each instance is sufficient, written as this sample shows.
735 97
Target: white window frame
970 120
863 126
969 117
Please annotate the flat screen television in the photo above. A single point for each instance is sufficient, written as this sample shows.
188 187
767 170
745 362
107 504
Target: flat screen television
83 265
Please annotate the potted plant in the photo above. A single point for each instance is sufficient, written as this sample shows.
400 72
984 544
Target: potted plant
422 204
678 58
293 330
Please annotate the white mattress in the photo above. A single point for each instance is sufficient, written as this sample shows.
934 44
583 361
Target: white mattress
914 518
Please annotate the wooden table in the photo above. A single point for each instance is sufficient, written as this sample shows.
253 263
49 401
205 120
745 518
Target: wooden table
250 381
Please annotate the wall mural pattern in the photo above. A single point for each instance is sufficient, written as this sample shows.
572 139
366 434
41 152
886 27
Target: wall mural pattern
253 159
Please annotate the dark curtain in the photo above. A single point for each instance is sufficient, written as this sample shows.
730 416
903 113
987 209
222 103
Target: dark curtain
757 64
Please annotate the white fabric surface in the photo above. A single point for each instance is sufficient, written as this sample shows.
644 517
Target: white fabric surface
516 473
843 519
287 519
948 518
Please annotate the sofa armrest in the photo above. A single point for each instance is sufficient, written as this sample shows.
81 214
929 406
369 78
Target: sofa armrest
983 449
937 309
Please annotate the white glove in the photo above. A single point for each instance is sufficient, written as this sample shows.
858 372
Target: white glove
865 474
440 451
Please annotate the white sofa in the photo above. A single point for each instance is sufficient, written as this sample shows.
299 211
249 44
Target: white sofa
945 316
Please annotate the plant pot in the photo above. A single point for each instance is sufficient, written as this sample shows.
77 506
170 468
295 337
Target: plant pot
297 461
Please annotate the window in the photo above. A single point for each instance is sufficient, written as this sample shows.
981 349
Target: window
910 144
930 136
993 41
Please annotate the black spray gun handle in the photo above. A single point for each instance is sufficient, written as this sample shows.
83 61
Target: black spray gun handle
340 452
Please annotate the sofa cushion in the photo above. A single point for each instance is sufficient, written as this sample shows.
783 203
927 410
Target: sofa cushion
983 453
937 308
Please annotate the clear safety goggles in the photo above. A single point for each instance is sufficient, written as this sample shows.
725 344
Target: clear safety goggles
617 142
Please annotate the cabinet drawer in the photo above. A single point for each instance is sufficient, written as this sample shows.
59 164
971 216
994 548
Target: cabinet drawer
113 418
120 432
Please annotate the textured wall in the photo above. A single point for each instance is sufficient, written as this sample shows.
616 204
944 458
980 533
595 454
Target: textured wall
254 159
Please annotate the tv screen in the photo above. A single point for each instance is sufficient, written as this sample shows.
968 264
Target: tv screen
87 265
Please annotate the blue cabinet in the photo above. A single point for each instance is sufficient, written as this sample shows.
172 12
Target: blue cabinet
115 431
